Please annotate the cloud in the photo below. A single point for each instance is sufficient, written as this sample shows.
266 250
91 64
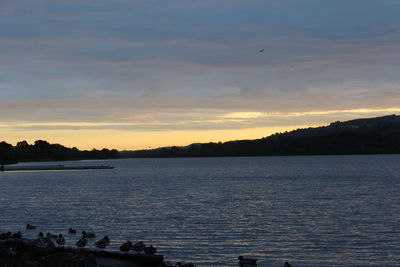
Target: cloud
242 115
187 64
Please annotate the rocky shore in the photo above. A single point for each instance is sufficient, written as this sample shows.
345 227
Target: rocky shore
16 251
21 252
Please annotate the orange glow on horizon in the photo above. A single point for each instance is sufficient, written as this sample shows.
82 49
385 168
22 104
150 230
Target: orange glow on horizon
131 140
171 131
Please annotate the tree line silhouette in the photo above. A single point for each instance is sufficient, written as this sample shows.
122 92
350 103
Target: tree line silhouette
379 135
362 136
43 151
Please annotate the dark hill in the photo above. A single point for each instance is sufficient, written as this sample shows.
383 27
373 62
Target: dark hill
361 136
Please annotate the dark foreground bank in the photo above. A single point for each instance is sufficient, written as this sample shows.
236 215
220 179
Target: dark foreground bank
25 252
20 252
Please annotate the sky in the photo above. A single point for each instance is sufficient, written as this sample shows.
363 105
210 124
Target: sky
149 73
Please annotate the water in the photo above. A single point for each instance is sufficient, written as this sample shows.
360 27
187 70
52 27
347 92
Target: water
312 211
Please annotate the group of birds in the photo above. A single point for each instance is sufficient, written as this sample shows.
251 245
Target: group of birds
138 247
9 235
105 241
83 241
47 241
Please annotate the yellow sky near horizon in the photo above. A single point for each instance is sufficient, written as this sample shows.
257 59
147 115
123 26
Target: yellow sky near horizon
173 132
132 140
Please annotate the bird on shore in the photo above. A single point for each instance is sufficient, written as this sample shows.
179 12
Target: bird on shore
44 242
102 243
150 250
287 264
247 262
60 240
88 234
48 242
81 242
71 231
17 235
40 235
30 227
139 246
125 247
5 236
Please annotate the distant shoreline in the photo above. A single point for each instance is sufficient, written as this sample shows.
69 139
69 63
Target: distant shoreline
379 135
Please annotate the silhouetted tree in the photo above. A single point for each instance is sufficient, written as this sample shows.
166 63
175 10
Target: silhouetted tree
43 150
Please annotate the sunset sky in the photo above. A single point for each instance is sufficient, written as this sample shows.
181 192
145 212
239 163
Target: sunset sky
143 73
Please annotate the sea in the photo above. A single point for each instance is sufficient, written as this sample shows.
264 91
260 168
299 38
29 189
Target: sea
312 211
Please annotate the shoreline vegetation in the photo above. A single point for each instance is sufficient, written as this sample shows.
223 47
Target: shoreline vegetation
379 135
44 151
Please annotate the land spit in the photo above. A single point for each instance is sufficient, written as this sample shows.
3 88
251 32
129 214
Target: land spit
53 168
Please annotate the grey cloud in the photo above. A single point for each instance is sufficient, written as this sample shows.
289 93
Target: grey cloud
74 60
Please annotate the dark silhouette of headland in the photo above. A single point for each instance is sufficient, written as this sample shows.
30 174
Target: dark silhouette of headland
44 151
379 135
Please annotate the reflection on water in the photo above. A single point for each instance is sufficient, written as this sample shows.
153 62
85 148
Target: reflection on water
311 211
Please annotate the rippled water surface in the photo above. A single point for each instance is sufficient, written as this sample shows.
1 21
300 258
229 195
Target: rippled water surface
312 211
